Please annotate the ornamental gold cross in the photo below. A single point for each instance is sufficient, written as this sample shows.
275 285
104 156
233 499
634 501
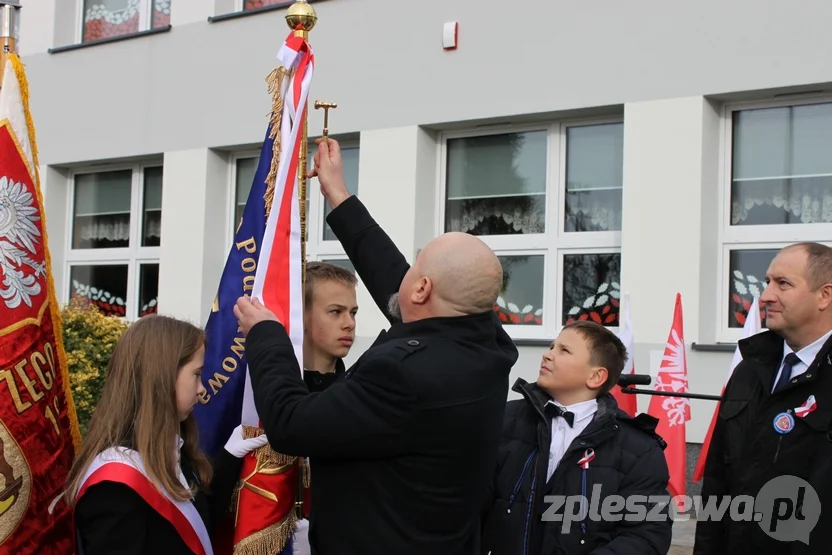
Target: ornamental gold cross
326 106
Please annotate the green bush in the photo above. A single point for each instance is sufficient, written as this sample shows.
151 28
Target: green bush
89 339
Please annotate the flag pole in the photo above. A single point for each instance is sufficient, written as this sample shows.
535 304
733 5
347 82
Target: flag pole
8 23
301 18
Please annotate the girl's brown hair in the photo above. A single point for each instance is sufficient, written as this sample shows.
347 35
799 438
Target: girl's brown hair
138 405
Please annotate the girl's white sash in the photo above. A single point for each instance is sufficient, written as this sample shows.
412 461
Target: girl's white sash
125 466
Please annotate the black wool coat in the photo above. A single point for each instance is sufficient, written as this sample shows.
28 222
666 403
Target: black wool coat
403 447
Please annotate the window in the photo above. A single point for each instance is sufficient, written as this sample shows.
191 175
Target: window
547 199
113 18
254 4
343 262
778 191
321 241
113 250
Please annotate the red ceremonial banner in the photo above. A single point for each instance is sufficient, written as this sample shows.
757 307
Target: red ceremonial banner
38 428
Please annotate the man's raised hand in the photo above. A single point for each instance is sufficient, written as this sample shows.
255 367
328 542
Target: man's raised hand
329 169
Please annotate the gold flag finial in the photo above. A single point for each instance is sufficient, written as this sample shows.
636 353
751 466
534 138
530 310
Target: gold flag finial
301 18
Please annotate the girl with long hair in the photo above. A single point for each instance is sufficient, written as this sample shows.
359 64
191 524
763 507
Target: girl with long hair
140 484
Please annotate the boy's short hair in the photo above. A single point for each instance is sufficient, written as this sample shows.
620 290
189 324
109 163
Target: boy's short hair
325 271
605 349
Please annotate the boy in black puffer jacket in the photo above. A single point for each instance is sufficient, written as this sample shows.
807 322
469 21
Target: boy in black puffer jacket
567 437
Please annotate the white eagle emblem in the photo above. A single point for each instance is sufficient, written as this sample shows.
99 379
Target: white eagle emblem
18 240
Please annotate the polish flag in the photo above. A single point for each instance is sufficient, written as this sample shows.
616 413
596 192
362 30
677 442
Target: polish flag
627 401
751 327
673 412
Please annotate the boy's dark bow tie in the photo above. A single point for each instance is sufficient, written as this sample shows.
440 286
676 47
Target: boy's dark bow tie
553 411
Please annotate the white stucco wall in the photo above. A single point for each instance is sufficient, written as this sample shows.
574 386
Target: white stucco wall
191 96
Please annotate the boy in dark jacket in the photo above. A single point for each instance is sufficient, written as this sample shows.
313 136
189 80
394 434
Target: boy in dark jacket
567 437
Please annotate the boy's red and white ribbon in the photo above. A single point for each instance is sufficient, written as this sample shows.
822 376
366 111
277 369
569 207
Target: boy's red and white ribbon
277 281
589 455
806 407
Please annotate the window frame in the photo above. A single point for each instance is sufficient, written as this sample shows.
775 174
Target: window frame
316 247
751 237
133 256
145 20
554 243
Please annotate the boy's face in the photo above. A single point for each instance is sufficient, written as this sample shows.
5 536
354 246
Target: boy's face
567 367
329 323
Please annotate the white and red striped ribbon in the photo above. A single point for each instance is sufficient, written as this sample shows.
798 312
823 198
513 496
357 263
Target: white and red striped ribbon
277 282
589 456
809 406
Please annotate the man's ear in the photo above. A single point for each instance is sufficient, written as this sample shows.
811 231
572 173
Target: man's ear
825 296
598 378
422 291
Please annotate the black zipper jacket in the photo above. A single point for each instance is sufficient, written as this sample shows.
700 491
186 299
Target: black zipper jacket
628 460
747 452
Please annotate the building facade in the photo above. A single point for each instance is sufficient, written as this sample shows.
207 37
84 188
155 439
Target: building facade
639 148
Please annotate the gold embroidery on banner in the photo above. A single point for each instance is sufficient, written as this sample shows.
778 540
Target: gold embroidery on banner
17 484
28 321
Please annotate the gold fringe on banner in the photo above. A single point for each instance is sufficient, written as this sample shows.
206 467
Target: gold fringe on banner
275 85
269 541
266 456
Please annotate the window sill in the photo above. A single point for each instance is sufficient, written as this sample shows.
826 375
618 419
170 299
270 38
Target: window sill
246 13
109 40
532 342
714 347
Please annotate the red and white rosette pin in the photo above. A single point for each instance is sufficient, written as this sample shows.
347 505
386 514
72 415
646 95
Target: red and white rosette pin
806 407
588 457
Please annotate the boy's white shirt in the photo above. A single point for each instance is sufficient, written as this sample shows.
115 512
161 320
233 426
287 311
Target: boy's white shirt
563 435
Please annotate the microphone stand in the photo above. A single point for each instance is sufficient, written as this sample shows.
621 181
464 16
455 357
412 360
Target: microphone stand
627 382
636 391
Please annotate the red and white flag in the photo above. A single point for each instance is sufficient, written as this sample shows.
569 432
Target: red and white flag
278 285
673 412
627 402
751 327
278 280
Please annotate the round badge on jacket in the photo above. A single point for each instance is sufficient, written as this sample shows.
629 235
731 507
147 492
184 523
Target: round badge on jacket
783 423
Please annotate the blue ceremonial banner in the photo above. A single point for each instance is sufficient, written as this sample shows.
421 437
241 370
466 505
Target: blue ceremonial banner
224 375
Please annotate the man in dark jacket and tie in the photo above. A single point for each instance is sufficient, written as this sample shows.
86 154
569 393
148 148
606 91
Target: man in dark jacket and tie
773 437
404 447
